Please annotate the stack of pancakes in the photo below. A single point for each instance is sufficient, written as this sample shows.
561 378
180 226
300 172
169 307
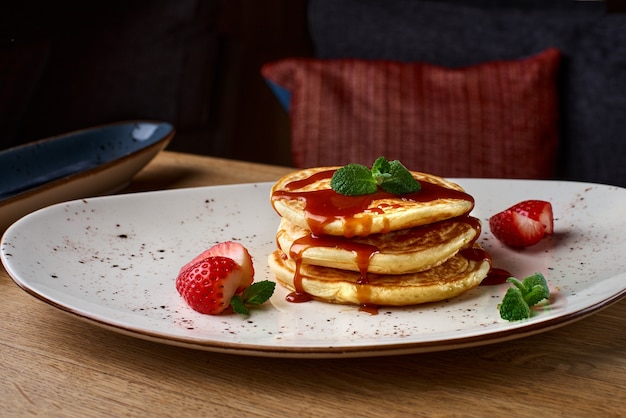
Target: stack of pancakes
377 249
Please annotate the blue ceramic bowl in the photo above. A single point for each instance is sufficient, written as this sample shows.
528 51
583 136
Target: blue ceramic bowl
79 164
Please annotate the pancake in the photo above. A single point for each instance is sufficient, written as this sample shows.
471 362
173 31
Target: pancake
404 251
452 278
305 198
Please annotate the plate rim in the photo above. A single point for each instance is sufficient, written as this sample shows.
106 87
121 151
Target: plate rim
355 351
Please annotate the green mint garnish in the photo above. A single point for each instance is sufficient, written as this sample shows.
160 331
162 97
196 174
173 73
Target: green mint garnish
357 179
525 294
353 180
394 177
513 306
255 294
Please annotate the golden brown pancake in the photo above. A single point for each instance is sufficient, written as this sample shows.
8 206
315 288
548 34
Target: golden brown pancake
404 251
457 275
305 198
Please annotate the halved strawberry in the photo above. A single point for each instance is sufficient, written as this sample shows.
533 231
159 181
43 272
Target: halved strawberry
515 229
236 252
538 210
222 277
209 284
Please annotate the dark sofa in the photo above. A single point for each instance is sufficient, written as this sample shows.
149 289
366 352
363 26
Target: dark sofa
590 35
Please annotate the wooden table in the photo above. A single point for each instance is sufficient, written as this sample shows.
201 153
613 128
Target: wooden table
52 364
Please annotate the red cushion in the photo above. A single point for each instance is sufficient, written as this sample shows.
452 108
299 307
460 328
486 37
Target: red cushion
495 119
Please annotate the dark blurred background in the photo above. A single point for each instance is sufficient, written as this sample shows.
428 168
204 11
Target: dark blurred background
68 65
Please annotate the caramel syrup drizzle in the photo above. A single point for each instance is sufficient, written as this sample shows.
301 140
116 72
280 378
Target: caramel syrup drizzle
325 206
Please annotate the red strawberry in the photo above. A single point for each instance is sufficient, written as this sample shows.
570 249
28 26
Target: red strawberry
538 210
515 229
208 285
222 277
236 252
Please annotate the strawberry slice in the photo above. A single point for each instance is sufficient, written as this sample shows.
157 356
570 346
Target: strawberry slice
538 210
221 278
515 229
209 284
236 252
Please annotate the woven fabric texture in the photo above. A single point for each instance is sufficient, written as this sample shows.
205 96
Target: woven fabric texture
494 119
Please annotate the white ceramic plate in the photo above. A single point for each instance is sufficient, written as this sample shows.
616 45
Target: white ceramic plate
113 261
83 163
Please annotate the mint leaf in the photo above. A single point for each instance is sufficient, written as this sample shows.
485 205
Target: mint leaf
401 180
236 302
518 283
357 179
513 306
259 292
255 294
353 180
519 299
536 289
381 170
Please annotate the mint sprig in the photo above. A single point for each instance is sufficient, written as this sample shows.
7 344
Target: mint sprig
357 179
353 180
255 294
525 294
